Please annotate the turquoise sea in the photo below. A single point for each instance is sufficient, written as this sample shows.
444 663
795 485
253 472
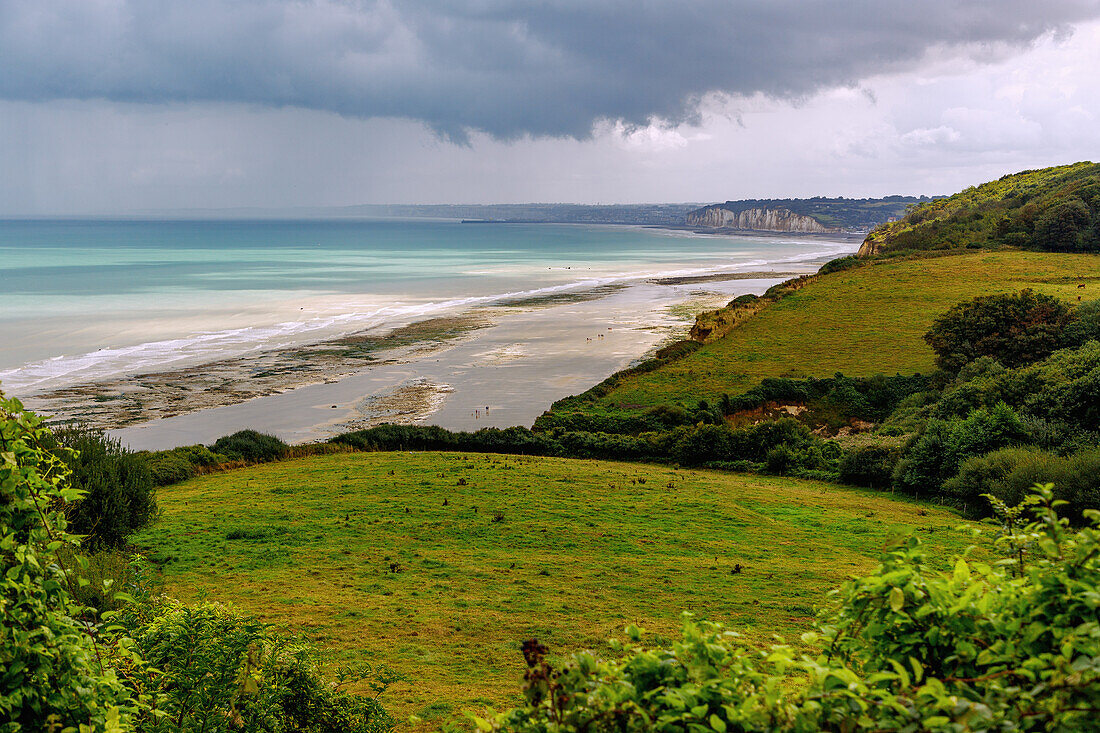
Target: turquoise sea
88 300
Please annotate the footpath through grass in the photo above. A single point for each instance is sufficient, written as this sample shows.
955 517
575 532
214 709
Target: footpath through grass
440 564
861 322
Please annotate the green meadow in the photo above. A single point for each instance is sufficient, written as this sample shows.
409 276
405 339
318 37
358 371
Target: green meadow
861 322
440 564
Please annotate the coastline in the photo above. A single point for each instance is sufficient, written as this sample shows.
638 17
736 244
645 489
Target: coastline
515 352
515 361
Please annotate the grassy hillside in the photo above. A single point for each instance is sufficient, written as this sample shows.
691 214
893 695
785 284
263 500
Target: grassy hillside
1056 209
440 564
860 322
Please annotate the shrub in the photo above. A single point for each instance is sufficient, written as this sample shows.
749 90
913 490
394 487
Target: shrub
1008 473
119 496
169 467
667 416
50 676
207 667
935 455
871 466
1085 325
997 473
1007 645
104 575
925 464
1015 329
179 464
249 445
780 460
840 263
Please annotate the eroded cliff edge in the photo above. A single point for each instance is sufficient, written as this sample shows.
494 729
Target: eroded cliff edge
756 219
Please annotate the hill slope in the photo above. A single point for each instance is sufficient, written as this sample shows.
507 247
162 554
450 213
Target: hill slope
1054 209
860 322
441 564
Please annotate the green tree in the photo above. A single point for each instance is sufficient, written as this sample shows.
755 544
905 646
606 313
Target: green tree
1062 227
1014 328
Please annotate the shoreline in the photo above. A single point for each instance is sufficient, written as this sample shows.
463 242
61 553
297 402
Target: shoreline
517 352
124 401
114 404
515 365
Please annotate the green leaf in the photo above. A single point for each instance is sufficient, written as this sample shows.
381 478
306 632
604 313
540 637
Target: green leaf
897 599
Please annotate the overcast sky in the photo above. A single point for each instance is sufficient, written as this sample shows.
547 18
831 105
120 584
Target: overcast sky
124 105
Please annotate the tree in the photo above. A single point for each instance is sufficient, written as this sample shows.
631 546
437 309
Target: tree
1014 328
1061 228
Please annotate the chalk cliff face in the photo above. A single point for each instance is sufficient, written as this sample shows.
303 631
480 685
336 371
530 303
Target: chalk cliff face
763 220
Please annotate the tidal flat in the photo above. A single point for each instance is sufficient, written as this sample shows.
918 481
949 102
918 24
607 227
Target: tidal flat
492 367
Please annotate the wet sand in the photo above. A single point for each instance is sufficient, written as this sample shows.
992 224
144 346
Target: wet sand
514 361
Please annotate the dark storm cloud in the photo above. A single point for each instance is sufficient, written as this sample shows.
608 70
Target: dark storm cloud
506 67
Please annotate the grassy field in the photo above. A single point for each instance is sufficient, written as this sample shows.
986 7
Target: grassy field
860 322
440 564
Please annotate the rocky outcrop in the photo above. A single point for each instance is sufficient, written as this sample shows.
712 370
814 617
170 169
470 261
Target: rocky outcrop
761 220
869 248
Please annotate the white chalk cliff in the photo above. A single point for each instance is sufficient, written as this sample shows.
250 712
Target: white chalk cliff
761 220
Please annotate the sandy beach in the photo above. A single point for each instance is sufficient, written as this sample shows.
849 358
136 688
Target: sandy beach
490 367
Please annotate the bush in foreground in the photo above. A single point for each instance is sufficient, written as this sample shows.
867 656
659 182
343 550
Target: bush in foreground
50 676
129 662
1011 645
207 667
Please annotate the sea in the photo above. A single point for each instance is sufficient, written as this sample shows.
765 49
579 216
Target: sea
87 300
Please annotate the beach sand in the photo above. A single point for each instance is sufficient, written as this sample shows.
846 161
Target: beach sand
494 367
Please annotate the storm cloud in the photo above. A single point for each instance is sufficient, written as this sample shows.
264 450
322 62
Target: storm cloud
509 68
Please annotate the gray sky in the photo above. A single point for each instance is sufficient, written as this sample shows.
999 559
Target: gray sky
122 105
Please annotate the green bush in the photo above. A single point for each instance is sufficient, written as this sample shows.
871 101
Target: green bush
746 299
998 473
119 495
50 674
1064 228
935 454
103 575
871 466
167 467
249 445
1011 645
1015 329
1085 325
839 264
1008 473
179 464
209 668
